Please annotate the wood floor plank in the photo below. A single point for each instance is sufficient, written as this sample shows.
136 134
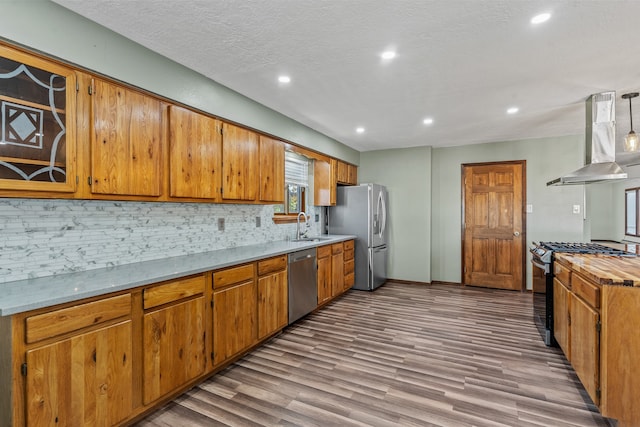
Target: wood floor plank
404 355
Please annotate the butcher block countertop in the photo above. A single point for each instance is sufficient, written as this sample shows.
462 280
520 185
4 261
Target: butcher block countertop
604 269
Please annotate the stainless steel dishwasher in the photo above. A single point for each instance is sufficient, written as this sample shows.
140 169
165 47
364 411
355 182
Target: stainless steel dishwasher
303 292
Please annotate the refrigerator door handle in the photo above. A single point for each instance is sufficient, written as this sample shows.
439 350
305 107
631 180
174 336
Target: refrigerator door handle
383 227
380 216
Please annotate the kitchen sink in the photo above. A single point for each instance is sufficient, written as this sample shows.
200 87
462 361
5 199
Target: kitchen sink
311 239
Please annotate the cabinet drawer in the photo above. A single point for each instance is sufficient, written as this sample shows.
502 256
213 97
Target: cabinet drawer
348 254
349 280
586 290
173 291
71 319
562 273
233 275
348 245
336 248
270 265
324 251
348 267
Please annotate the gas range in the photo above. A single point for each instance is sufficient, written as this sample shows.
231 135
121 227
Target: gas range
543 251
542 278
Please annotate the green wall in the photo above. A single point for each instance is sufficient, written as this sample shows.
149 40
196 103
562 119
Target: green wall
607 207
406 174
55 31
425 184
552 217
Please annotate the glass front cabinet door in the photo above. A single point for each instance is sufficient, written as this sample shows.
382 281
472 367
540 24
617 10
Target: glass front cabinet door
37 144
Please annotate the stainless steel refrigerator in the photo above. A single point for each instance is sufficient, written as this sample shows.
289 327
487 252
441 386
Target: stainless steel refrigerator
362 211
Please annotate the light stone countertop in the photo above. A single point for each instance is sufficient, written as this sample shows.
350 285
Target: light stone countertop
24 295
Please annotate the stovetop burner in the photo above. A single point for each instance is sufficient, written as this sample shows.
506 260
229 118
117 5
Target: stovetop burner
584 248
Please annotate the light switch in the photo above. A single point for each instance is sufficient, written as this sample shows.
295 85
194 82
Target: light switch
576 209
529 208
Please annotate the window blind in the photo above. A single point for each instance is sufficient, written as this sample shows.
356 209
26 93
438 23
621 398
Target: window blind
296 169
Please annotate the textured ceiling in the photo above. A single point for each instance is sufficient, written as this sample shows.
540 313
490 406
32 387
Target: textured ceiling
461 62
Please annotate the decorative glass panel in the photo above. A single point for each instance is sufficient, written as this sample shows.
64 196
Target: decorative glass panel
33 113
293 198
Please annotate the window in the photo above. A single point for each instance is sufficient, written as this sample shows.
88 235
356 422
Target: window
296 184
631 210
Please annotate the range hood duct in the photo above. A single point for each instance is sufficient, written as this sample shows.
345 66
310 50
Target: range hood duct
600 149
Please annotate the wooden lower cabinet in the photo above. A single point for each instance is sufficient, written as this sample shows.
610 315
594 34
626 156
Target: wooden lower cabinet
323 259
596 326
619 350
561 316
337 269
585 345
234 312
576 325
82 380
105 361
174 350
273 296
349 265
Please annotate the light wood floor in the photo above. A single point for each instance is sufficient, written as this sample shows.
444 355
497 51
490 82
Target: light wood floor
404 355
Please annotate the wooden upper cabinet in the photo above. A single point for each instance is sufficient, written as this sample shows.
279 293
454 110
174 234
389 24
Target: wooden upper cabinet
343 172
271 170
195 154
239 163
352 175
38 138
346 173
324 182
125 141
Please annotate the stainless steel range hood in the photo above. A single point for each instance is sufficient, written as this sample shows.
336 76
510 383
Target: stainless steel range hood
600 150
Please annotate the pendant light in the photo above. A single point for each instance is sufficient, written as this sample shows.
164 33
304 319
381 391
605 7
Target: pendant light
631 142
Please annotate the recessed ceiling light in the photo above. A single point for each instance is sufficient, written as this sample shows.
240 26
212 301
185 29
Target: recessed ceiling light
284 79
360 130
512 110
389 54
539 19
428 121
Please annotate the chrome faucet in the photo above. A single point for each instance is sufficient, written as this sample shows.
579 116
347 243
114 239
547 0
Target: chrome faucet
304 215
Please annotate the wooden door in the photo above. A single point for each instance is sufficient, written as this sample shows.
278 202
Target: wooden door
239 163
195 155
493 225
273 296
234 320
83 380
174 348
561 317
271 170
585 345
126 142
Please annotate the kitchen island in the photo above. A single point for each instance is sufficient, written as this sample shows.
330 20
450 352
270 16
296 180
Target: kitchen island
102 347
597 325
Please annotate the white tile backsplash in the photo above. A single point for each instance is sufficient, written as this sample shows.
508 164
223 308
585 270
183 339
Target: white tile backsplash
48 237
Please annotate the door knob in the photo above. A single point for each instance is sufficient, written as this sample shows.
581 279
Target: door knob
516 233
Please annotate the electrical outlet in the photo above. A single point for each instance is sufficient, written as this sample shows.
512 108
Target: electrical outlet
529 208
220 224
317 218
257 221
